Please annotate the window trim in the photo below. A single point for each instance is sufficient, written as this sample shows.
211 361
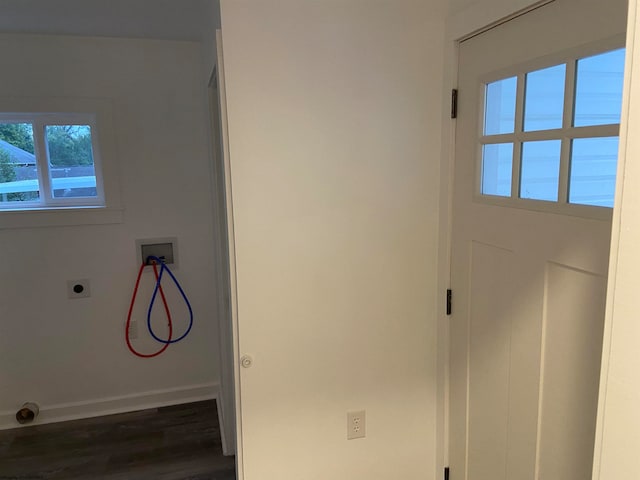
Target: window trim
103 134
567 133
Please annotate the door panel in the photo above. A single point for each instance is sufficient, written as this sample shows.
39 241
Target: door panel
489 355
526 329
575 303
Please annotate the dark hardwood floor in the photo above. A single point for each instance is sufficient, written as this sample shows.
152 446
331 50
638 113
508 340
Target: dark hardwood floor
171 443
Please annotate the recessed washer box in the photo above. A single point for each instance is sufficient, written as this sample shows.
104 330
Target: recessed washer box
166 249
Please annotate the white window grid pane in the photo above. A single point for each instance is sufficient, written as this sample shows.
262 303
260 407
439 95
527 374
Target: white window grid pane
593 171
496 169
74 182
540 167
500 106
598 89
544 98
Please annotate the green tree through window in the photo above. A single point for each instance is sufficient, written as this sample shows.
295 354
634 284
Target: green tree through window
17 134
69 145
8 174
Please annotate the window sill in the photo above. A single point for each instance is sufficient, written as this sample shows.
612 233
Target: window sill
60 217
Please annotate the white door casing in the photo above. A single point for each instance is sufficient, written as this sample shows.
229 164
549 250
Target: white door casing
618 432
226 404
233 300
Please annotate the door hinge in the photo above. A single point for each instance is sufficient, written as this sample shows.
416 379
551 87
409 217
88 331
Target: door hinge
449 299
446 473
454 103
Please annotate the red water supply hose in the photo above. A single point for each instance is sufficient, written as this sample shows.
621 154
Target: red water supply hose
133 301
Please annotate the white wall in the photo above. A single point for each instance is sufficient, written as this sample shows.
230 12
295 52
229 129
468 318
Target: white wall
57 351
160 19
618 435
334 115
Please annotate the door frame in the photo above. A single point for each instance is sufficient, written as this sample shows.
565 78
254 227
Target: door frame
225 255
465 24
616 437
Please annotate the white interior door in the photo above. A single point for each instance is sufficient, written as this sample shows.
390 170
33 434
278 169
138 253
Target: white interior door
534 176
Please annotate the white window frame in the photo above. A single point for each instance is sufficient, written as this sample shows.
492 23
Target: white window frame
98 113
567 133
39 122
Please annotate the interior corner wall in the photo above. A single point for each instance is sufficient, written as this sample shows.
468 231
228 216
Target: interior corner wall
334 113
69 355
469 16
209 50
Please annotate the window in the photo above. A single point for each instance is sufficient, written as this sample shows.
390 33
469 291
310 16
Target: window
550 135
49 160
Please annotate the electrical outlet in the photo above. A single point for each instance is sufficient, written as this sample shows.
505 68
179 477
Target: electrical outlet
133 329
356 425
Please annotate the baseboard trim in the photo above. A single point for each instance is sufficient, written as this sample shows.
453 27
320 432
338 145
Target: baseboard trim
113 405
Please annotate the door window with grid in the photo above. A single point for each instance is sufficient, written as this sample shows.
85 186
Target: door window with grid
550 135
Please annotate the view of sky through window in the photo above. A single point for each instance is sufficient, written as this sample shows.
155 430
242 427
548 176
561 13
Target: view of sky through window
594 163
540 170
496 169
544 99
599 89
500 110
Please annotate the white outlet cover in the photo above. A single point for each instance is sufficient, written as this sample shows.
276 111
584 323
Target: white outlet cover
356 425
78 288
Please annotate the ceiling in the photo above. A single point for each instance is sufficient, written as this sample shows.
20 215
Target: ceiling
158 19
